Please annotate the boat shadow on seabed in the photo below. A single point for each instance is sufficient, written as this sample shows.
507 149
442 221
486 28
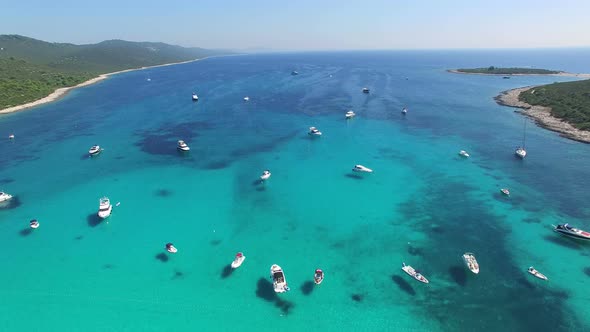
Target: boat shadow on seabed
265 291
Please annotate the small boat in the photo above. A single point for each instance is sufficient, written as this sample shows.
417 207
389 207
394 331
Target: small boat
318 276
182 146
294 73
195 97
4 196
366 90
471 262
361 168
34 224
279 281
265 175
171 248
413 273
11 136
94 150
464 153
404 111
104 207
520 152
350 115
313 131
537 273
238 260
505 191
246 98
570 231
506 77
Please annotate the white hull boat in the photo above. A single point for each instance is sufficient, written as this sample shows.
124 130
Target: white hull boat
536 273
471 262
171 248
570 231
404 111
265 175
520 153
195 97
279 281
182 146
246 98
94 150
11 136
313 131
350 115
464 154
104 207
34 224
4 196
362 169
238 260
413 273
505 191
318 277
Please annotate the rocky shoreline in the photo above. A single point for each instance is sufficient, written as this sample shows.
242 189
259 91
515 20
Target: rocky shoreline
541 115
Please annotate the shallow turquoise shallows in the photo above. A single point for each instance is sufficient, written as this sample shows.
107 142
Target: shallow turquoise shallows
423 204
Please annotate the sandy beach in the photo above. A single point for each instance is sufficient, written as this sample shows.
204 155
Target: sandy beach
542 115
58 93
562 74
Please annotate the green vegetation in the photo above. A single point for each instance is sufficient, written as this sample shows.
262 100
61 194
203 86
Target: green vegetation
31 69
508 71
569 101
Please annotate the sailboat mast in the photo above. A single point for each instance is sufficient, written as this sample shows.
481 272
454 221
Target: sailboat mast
524 134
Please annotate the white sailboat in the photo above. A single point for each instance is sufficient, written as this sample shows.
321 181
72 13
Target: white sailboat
521 151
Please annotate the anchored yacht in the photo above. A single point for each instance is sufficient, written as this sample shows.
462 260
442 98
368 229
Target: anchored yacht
570 231
182 146
279 281
104 207
361 168
471 262
94 150
414 273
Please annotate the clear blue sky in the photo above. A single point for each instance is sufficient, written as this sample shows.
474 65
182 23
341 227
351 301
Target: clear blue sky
306 24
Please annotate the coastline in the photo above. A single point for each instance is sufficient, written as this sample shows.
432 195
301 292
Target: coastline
61 92
563 74
542 115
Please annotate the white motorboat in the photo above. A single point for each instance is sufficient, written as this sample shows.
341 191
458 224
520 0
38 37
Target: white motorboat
182 146
361 168
238 260
34 224
294 73
536 273
313 131
365 90
318 277
11 136
520 152
246 98
570 231
171 248
505 191
279 281
464 153
350 115
471 262
413 273
404 111
265 175
94 150
195 97
104 207
4 196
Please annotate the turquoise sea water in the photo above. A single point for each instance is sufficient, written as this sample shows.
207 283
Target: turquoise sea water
423 205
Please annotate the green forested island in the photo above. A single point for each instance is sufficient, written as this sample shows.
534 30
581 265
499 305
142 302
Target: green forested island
569 101
31 69
491 70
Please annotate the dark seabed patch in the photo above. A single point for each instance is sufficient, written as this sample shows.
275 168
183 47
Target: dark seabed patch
307 287
587 271
162 257
178 275
6 181
357 297
562 241
226 271
79 237
163 140
403 285
215 242
163 193
531 220
458 274
93 220
265 291
108 266
449 203
26 231
414 251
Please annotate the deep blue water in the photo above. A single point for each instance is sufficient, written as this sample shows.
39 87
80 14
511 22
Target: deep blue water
423 205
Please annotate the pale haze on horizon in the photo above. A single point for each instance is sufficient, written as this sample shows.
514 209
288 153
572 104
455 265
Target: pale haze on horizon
306 24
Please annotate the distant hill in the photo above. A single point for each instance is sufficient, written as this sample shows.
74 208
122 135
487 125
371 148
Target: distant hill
31 69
